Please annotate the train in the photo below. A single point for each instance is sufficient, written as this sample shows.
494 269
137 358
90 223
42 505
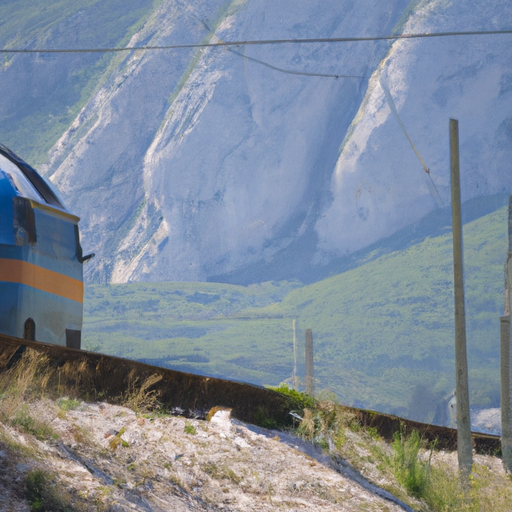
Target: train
41 259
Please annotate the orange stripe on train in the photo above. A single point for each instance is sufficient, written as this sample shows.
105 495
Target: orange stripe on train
22 272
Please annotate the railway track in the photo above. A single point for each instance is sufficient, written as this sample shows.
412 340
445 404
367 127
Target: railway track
103 377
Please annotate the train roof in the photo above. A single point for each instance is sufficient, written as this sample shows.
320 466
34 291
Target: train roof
35 184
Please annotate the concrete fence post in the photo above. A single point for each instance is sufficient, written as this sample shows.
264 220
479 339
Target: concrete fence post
294 376
310 373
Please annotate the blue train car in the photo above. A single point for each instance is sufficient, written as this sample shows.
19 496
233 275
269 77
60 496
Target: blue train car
41 260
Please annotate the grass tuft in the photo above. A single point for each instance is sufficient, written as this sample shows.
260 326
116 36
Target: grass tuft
420 477
68 404
440 487
139 396
411 472
190 429
31 425
26 380
45 495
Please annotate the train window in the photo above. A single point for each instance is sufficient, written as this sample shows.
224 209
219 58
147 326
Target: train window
38 183
73 338
29 332
53 190
25 188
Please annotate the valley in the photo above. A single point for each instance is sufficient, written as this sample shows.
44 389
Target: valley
383 329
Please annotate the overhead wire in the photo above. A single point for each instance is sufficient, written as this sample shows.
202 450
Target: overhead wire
259 42
394 110
387 95
273 67
290 71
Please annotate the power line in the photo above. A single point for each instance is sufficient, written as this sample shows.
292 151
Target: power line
392 106
290 71
261 42
271 66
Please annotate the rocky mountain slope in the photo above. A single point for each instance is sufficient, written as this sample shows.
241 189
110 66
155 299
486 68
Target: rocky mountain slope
197 164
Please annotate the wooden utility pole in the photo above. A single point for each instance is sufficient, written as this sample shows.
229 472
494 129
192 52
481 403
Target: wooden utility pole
464 447
310 377
506 366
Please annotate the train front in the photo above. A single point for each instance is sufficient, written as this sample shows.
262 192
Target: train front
41 261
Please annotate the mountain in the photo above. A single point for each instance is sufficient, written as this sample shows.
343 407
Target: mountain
207 164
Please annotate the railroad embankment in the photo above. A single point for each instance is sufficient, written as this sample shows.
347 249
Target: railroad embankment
79 431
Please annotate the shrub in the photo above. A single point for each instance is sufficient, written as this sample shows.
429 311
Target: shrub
31 425
68 404
44 495
190 429
263 420
410 471
298 400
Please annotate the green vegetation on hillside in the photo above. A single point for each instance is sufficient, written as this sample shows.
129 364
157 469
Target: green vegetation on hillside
60 84
193 327
383 331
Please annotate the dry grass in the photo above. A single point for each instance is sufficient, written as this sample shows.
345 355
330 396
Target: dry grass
26 380
139 396
489 489
45 493
34 377
326 424
425 479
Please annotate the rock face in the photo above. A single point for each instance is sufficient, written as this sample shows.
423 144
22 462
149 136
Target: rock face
197 164
378 183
